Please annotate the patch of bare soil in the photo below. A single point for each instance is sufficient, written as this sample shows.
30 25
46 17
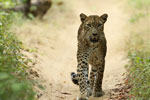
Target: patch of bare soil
55 40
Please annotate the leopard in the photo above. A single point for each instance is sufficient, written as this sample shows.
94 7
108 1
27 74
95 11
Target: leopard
92 48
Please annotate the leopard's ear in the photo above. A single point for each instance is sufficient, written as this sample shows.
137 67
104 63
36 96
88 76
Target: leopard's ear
104 17
82 17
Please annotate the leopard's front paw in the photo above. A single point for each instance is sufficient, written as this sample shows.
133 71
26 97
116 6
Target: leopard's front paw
98 94
82 98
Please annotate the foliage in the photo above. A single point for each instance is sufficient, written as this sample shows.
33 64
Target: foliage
7 3
141 9
11 3
139 74
139 4
139 51
14 82
137 17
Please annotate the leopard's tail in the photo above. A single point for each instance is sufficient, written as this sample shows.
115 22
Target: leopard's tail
74 78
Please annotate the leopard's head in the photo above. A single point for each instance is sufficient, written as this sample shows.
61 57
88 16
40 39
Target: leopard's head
92 27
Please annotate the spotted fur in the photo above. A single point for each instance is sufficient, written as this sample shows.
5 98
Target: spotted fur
91 51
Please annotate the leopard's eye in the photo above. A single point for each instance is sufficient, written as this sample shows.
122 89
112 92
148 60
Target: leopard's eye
99 25
89 25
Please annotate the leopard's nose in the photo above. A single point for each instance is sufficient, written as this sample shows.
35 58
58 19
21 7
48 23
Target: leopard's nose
94 34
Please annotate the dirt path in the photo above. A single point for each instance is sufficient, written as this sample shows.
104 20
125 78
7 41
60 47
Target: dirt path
56 42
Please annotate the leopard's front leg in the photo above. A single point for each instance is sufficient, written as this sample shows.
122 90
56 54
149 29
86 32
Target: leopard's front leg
82 72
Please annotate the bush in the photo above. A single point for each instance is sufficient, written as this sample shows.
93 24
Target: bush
139 74
14 82
139 51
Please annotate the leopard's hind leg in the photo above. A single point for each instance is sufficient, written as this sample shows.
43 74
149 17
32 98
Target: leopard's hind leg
98 80
92 77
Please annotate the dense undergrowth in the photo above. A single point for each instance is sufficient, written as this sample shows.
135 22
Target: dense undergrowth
138 46
14 81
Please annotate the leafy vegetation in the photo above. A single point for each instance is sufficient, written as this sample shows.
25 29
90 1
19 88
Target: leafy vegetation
140 9
14 82
139 51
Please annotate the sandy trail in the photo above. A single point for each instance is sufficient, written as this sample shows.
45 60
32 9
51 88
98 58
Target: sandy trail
56 42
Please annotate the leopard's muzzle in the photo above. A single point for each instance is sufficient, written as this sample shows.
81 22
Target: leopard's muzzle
94 39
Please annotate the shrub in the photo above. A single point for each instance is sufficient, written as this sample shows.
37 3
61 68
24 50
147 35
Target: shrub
139 74
139 51
14 82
